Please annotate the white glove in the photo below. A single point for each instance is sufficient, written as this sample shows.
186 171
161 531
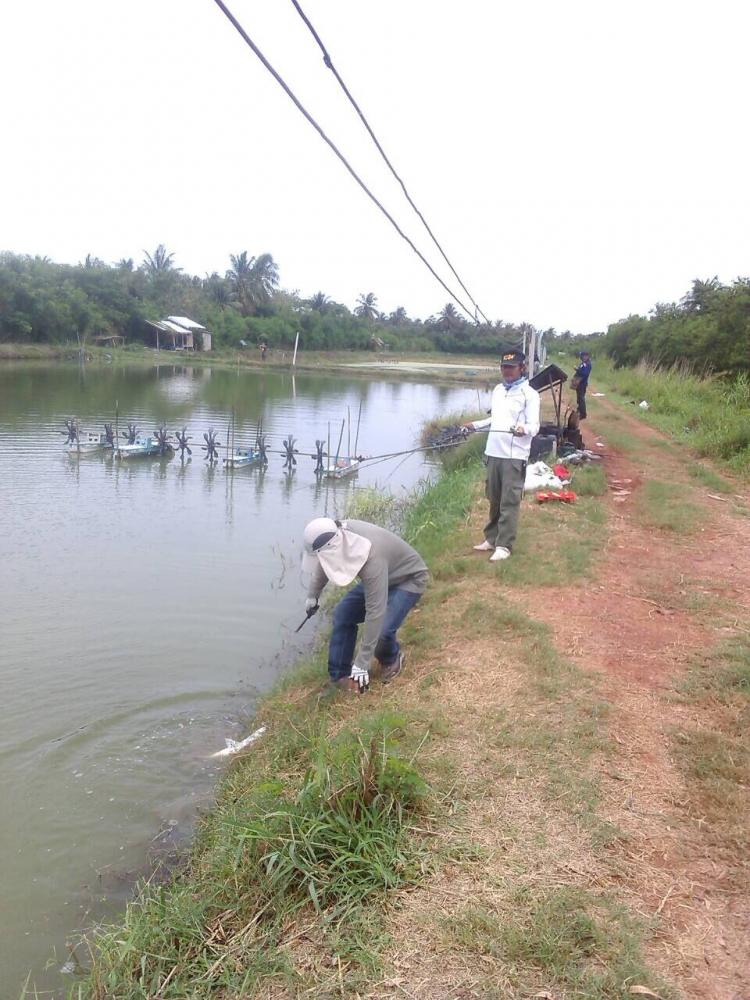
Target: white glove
311 606
361 678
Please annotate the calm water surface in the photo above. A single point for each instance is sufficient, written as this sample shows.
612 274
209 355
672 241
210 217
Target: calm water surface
145 606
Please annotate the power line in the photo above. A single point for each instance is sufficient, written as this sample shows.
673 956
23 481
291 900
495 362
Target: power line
241 31
329 63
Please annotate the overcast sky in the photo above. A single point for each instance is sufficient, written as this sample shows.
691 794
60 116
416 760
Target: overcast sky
578 160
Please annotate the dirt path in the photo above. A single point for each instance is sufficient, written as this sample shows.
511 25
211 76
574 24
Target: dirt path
658 601
659 598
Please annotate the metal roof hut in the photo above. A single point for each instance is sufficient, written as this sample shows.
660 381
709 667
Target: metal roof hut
178 333
201 336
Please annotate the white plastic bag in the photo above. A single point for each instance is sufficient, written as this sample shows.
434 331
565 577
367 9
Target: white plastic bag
540 476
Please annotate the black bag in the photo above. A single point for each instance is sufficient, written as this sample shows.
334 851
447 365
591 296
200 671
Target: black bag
575 381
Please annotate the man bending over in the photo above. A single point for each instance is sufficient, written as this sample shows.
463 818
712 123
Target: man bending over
392 578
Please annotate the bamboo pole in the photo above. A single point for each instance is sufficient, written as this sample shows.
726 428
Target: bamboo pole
356 436
338 449
349 433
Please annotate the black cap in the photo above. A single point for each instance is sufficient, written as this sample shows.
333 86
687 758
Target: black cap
512 358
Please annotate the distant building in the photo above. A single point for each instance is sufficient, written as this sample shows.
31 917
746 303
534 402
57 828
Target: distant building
179 333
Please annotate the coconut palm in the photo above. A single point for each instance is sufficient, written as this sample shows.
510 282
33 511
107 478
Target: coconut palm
398 317
265 277
238 277
319 302
449 318
160 262
218 289
253 280
366 306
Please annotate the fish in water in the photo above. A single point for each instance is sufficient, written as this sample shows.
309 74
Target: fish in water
234 746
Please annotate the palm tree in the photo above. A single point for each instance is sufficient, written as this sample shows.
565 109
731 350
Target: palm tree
253 280
238 277
366 306
218 290
265 277
125 264
160 263
449 318
701 295
320 302
398 317
91 263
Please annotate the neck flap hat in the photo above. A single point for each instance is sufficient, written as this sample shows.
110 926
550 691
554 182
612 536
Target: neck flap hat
341 553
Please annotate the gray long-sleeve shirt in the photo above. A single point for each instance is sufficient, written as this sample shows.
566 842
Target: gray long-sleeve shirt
392 562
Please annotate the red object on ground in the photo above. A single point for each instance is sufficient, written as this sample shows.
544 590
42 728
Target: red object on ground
566 496
561 472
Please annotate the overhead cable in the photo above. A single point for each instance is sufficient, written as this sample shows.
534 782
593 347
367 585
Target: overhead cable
329 63
300 107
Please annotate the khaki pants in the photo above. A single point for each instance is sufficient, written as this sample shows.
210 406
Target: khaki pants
504 490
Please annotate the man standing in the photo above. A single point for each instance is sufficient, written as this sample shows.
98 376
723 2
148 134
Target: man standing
392 575
513 423
581 377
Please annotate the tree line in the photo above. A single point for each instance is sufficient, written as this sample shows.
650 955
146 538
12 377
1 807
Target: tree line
45 302
708 330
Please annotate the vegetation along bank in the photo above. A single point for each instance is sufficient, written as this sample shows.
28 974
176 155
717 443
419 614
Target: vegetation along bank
551 801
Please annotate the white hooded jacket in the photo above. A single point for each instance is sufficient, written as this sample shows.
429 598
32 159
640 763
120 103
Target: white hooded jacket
390 562
517 405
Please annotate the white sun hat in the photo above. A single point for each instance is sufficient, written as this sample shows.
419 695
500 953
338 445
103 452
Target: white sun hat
340 553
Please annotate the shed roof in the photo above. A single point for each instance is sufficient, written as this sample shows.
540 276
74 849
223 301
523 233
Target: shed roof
189 324
171 327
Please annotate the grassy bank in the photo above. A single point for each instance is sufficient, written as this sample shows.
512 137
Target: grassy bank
323 820
710 415
336 842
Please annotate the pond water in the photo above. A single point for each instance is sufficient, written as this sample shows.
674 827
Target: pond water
146 604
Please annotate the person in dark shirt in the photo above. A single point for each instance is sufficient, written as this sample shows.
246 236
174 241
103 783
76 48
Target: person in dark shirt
582 373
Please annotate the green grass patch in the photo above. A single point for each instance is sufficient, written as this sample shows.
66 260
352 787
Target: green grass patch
710 414
722 675
663 506
717 769
707 477
431 521
590 480
573 940
432 428
557 543
317 821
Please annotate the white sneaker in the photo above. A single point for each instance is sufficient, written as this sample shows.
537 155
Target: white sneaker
500 553
484 546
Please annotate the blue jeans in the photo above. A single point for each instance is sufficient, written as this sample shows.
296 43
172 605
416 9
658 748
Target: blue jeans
350 612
